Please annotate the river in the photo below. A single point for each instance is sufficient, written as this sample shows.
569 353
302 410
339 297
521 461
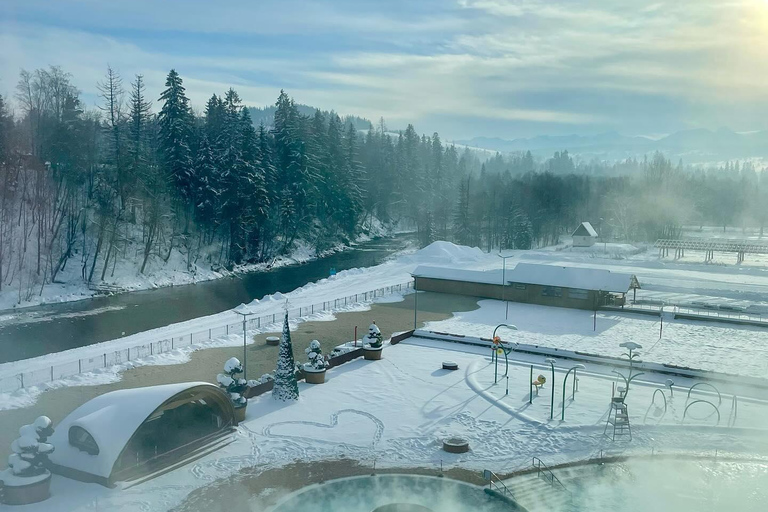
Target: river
40 330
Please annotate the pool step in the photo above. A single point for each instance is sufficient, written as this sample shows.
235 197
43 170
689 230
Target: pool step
538 495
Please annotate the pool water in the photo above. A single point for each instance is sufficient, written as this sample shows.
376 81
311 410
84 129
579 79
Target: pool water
410 492
666 485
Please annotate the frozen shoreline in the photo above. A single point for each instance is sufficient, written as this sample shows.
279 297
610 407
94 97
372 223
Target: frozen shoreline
78 290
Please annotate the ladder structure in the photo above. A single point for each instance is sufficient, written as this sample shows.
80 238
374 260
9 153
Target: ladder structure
619 418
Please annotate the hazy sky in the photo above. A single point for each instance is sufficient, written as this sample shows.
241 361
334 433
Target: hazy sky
462 67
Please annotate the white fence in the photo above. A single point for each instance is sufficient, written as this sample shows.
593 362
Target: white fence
75 367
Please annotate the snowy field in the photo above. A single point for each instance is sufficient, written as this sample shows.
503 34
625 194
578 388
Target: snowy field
409 405
735 349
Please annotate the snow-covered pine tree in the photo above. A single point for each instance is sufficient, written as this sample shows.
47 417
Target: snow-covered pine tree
175 122
286 388
30 451
232 383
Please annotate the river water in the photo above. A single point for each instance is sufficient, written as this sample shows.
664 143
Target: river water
32 332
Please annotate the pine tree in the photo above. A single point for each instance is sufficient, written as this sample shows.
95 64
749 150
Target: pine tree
175 122
286 388
140 113
462 222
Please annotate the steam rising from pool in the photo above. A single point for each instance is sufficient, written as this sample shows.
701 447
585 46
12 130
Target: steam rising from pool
366 494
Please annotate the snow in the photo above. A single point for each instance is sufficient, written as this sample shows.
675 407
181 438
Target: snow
8 478
111 419
530 273
739 350
159 273
413 405
587 230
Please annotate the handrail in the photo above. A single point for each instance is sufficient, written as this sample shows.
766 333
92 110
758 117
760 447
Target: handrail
653 401
719 398
490 475
717 410
548 475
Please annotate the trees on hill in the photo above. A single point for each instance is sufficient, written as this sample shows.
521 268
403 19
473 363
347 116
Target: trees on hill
142 180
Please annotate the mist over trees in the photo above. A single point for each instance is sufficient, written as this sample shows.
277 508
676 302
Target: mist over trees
146 181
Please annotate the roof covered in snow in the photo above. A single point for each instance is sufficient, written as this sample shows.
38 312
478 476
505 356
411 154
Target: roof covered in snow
111 419
538 274
459 274
585 229
570 277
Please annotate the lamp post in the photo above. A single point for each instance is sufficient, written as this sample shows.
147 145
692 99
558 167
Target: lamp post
498 346
552 401
243 311
565 380
504 285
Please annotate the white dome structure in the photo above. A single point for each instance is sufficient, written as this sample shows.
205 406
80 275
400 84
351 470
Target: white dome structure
130 433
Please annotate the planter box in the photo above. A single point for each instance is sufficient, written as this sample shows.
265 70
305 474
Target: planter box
240 414
273 340
314 377
38 490
372 354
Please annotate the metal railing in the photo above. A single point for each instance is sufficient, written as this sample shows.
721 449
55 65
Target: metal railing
495 484
700 312
542 471
36 377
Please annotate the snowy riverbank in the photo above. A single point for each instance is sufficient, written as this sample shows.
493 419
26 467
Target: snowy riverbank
126 276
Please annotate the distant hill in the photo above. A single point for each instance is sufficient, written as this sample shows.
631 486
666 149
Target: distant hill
266 115
693 146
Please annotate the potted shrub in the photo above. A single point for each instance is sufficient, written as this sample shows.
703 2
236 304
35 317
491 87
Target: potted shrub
27 480
234 386
372 345
314 369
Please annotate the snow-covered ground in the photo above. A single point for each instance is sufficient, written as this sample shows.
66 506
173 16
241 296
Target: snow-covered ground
741 350
411 405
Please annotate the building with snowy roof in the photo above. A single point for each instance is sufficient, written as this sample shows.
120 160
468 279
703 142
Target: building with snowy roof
585 235
129 434
548 285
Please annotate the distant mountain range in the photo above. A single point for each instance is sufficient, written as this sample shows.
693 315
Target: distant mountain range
693 146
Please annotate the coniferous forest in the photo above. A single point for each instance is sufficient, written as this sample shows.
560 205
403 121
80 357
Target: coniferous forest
145 178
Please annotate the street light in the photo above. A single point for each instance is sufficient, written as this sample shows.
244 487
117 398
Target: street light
243 311
504 284
552 402
565 379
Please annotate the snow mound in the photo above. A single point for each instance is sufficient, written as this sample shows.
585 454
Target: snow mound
446 253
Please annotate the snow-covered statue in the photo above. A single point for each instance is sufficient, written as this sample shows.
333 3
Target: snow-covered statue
373 338
315 359
232 383
30 451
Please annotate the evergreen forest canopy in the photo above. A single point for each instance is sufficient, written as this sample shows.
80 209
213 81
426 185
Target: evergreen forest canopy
142 180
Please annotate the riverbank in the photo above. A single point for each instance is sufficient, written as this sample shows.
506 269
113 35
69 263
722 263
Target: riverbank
126 320
204 365
126 278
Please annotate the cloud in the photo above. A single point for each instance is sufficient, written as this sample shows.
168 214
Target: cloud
514 68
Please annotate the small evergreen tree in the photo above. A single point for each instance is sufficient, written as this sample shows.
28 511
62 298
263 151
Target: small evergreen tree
30 451
286 388
317 361
232 383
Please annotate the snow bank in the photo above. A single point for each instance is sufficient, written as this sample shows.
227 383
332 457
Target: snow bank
447 253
